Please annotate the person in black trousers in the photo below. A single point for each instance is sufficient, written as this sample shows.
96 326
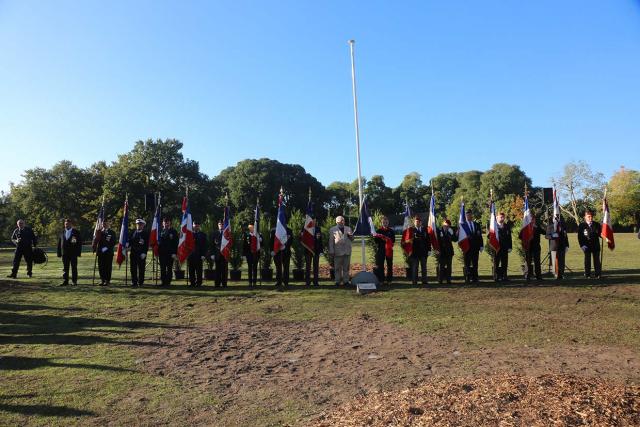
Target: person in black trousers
446 237
558 246
250 242
421 250
222 265
312 259
385 240
589 240
24 240
167 250
104 252
501 257
69 249
532 254
196 257
282 258
139 244
476 245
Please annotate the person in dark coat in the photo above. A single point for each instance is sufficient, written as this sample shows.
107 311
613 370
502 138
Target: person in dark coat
312 258
446 237
532 253
385 239
222 265
104 252
138 243
197 256
167 251
558 245
419 237
501 258
69 249
24 240
282 258
251 247
589 240
476 245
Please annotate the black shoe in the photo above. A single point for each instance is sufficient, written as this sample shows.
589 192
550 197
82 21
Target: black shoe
307 284
316 284
134 285
539 279
11 276
75 283
337 284
101 284
29 275
64 284
449 282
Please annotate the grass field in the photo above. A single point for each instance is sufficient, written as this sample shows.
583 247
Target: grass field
87 355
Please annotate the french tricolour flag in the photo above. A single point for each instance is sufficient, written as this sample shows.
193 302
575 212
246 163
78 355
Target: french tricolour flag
227 238
365 226
607 230
186 242
527 225
281 228
154 237
431 226
407 243
124 235
463 231
308 237
494 238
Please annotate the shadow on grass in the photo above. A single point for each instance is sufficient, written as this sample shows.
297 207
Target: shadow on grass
18 363
45 410
31 307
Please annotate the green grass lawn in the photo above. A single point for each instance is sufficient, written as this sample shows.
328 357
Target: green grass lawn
69 355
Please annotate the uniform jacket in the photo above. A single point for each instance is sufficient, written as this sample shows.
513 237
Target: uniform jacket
24 239
317 233
589 236
504 236
558 241
168 242
216 241
107 240
534 244
475 237
446 239
287 246
70 247
340 241
199 246
381 244
139 241
421 242
246 242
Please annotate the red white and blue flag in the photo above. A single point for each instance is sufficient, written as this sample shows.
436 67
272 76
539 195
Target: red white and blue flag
432 227
281 236
121 253
407 238
308 237
154 236
607 230
97 231
186 242
365 226
494 237
526 232
227 238
556 211
463 231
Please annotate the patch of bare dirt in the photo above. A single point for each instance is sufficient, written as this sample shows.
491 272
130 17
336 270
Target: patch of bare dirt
321 365
501 400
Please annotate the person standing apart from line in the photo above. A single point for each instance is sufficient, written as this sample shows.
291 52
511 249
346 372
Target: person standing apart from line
589 240
24 240
446 237
340 239
197 256
69 249
385 240
476 245
558 245
104 252
167 251
138 243
250 243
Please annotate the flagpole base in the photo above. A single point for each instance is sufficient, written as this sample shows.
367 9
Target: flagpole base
365 282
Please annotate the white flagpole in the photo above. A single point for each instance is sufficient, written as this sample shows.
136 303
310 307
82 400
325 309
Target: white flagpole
355 115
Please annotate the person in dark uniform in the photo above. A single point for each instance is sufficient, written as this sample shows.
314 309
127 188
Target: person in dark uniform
385 240
532 254
501 258
251 247
558 245
222 265
421 250
197 256
24 240
104 252
139 245
589 240
312 260
476 245
446 237
69 249
282 258
167 250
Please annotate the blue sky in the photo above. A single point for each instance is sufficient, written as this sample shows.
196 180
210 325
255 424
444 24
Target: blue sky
443 86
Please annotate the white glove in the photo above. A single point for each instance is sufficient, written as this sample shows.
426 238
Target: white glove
566 250
174 256
481 248
584 248
450 231
429 253
508 251
273 254
104 249
202 258
213 257
554 235
143 256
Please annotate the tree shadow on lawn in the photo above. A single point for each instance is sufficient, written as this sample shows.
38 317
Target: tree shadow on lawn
32 307
19 363
45 410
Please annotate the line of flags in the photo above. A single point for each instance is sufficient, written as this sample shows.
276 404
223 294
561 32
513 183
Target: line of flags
124 234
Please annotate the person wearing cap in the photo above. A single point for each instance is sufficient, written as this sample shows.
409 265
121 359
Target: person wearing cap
446 235
104 252
69 249
222 266
558 245
476 245
421 250
167 251
24 240
532 254
138 243
385 238
251 247
197 256
340 238
501 257
589 240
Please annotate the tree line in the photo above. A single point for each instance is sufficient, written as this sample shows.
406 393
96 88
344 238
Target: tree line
45 196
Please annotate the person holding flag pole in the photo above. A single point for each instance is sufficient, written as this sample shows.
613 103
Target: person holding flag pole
471 242
311 239
186 241
222 243
558 239
281 240
432 231
589 234
97 234
154 238
251 244
121 253
530 237
499 239
606 229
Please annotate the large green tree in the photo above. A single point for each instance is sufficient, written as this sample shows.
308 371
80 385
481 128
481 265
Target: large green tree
624 196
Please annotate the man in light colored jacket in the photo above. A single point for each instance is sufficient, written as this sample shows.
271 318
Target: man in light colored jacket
340 238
